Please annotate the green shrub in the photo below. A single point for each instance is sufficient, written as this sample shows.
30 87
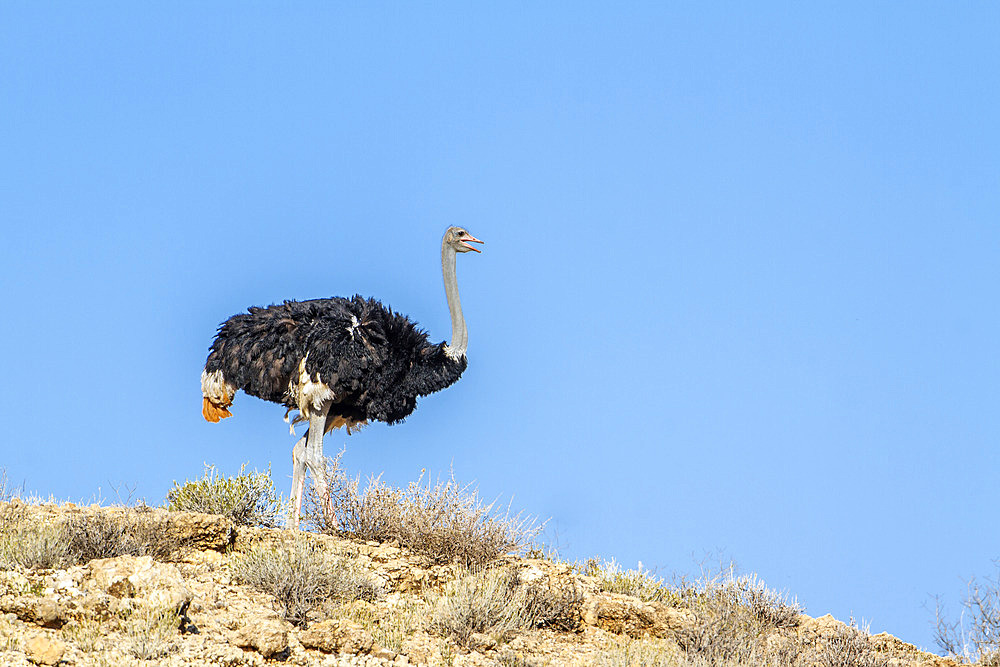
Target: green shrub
248 499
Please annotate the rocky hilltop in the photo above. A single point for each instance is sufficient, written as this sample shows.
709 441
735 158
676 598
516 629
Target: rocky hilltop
194 602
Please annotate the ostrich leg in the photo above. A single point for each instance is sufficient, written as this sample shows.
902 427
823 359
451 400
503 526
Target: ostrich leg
308 454
298 482
314 458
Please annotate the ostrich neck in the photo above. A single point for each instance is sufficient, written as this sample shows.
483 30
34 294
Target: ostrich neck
459 334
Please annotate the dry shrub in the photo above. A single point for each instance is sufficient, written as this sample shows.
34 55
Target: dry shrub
850 647
496 602
740 622
248 498
30 542
302 576
126 533
638 583
6 493
557 604
735 617
447 522
487 602
975 636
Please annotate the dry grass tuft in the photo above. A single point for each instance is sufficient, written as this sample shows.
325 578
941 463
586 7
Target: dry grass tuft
303 576
149 632
628 652
86 633
447 522
248 498
389 630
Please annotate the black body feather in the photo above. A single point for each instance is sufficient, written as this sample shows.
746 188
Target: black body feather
377 362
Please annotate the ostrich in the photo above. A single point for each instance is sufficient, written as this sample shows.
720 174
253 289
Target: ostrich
339 362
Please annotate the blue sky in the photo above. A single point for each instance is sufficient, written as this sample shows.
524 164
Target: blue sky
738 292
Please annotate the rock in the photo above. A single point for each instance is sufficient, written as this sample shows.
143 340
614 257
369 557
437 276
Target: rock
46 612
887 644
422 650
823 627
480 642
50 614
43 650
158 584
267 636
201 531
473 659
626 615
384 653
337 636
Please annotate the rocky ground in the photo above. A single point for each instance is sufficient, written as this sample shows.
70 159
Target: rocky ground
137 610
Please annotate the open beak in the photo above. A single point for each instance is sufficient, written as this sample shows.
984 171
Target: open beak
470 237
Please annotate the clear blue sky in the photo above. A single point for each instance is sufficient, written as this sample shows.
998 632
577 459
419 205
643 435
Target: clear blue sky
738 294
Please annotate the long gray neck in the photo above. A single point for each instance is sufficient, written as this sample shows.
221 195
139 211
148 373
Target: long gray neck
459 334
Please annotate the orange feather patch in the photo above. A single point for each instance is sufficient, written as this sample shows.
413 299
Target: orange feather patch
212 412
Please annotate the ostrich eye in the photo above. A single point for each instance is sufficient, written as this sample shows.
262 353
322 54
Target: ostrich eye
460 232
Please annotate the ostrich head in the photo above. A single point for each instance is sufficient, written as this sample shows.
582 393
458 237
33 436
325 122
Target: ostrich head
459 239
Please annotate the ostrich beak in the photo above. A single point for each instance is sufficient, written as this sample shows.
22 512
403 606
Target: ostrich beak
470 237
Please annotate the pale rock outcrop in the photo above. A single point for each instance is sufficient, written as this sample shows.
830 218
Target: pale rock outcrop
630 616
137 577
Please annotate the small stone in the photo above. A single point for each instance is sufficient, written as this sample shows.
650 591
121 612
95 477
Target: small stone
42 650
481 642
472 659
383 653
50 614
